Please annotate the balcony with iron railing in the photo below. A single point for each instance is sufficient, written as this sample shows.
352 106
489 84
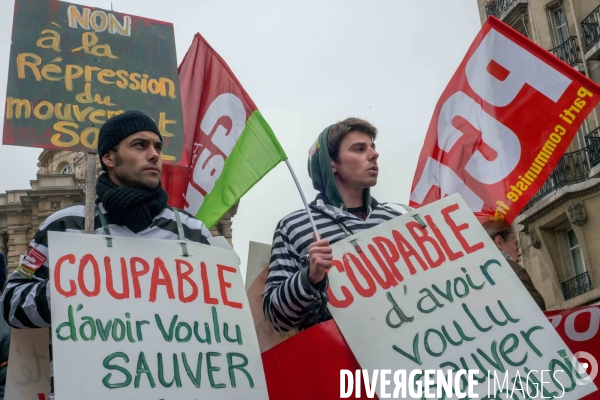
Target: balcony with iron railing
571 168
593 144
568 51
576 286
498 8
590 29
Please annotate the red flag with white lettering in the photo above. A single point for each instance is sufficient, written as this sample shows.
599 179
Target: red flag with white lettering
229 145
579 327
501 125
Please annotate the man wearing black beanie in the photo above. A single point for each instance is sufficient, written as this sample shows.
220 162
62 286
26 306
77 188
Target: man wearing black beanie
129 147
130 202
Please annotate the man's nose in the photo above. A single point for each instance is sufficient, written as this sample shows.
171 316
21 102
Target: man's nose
153 154
374 155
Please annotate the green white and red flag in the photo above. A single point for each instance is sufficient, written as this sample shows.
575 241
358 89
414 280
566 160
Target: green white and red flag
229 144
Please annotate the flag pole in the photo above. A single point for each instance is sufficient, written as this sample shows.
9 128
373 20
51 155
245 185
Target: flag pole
312 222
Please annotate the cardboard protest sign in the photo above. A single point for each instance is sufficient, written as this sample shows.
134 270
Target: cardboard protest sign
442 297
502 124
259 255
28 375
72 67
138 320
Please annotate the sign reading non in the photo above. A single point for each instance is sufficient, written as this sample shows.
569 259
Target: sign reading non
140 321
72 67
441 297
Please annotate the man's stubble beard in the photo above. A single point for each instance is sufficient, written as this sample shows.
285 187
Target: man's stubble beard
128 178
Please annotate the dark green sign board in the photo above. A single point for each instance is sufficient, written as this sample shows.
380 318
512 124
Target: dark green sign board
72 67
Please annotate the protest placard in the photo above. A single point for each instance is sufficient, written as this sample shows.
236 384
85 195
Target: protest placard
442 298
72 67
28 375
259 255
138 320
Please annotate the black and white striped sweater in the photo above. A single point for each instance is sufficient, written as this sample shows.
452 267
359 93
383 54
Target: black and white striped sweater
286 302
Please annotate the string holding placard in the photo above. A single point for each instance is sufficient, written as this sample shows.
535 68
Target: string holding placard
182 242
356 246
104 227
418 218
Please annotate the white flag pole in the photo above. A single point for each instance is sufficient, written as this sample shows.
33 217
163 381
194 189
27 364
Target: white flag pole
312 222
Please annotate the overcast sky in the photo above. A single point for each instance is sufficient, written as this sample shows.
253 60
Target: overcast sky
306 65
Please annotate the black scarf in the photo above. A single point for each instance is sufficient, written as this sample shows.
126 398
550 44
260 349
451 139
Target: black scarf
134 208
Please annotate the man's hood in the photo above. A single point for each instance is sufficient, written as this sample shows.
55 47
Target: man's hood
321 173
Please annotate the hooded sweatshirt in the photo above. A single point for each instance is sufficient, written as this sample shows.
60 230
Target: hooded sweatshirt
319 170
290 300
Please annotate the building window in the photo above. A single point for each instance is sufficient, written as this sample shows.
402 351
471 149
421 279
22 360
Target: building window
578 280
558 24
67 169
582 133
575 252
520 25
571 253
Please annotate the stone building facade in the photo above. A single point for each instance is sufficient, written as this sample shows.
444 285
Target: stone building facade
60 183
559 230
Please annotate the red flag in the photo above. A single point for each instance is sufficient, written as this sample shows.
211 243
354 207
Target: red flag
307 365
175 178
200 74
501 125
578 327
229 145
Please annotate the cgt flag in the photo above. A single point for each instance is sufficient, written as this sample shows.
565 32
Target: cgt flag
228 142
501 125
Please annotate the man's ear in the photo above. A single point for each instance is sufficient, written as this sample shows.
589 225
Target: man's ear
333 166
108 159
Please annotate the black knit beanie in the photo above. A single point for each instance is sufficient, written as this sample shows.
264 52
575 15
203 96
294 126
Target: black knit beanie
120 126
